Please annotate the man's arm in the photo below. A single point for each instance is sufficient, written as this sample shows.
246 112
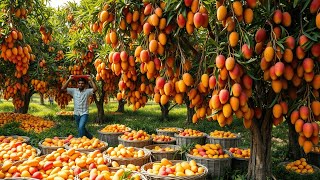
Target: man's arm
65 85
93 84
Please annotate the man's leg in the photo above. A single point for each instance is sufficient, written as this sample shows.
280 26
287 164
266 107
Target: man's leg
77 119
82 126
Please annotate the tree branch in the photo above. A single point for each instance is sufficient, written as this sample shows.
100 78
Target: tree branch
189 45
95 98
210 32
103 92
172 106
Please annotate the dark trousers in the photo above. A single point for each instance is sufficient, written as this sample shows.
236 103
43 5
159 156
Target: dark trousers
81 124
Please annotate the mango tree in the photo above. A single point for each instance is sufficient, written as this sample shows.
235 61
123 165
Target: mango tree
147 51
267 68
244 63
22 51
85 52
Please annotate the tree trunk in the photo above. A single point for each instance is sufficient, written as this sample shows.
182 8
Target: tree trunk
294 150
100 105
100 115
165 112
24 109
121 104
190 112
260 161
41 99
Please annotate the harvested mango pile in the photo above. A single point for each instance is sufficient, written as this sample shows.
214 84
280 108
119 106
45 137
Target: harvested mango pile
66 164
300 166
65 113
115 128
4 139
168 168
15 151
222 134
27 122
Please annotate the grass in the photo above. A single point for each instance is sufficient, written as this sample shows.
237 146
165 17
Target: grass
147 118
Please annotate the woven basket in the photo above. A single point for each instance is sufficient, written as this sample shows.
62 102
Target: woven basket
145 167
49 149
314 158
158 155
240 163
21 178
216 167
90 150
315 169
186 140
160 131
226 143
142 177
115 169
110 137
139 161
26 139
38 151
173 141
135 143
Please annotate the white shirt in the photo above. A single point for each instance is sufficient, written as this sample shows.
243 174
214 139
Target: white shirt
81 100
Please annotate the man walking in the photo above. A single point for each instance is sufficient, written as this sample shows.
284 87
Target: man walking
51 100
81 102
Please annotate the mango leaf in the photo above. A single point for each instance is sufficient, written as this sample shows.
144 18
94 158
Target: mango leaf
178 5
168 5
316 34
213 113
210 53
305 5
251 74
295 3
237 55
310 30
216 74
309 36
248 62
170 18
268 7
184 12
126 174
294 105
280 45
246 38
282 40
308 45
283 31
177 32
214 43
275 100
207 3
